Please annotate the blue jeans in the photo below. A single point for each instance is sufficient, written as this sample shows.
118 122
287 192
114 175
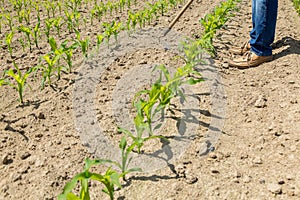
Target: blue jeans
264 15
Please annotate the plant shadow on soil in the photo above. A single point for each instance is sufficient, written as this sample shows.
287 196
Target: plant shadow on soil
36 104
294 47
8 126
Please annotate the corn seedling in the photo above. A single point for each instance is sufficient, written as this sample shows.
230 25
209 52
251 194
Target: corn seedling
8 40
27 16
27 32
123 166
83 43
59 5
110 7
57 24
37 8
128 4
68 53
47 6
110 179
214 21
141 18
1 19
21 15
53 7
99 11
125 160
19 79
48 70
146 108
141 127
76 18
99 40
22 43
163 6
70 17
92 14
49 24
122 4
36 33
9 19
132 20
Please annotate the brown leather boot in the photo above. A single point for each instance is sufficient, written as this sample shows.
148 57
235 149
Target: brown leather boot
240 50
249 59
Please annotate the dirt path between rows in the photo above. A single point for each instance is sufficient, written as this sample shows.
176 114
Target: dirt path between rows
256 157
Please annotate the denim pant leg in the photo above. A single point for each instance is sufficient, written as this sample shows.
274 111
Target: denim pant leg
264 15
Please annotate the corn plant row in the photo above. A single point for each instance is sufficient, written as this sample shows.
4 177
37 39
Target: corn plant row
59 59
72 17
214 21
156 100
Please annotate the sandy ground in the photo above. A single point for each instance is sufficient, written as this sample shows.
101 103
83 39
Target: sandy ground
256 157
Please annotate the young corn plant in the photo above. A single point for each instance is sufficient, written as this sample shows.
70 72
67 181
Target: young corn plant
112 28
49 69
53 7
214 21
132 21
83 43
57 23
36 33
27 32
125 151
47 6
18 78
76 19
146 108
141 126
27 16
125 159
36 6
9 19
122 4
8 40
22 43
21 15
138 140
49 24
1 20
110 179
67 51
70 17
100 38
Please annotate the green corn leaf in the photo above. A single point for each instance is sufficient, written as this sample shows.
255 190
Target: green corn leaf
84 192
3 82
126 132
164 70
70 186
136 169
115 179
157 126
123 143
53 44
192 81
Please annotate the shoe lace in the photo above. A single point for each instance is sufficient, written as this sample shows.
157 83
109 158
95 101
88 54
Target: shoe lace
247 55
245 45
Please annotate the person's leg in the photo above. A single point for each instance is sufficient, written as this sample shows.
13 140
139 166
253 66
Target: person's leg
264 14
252 33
